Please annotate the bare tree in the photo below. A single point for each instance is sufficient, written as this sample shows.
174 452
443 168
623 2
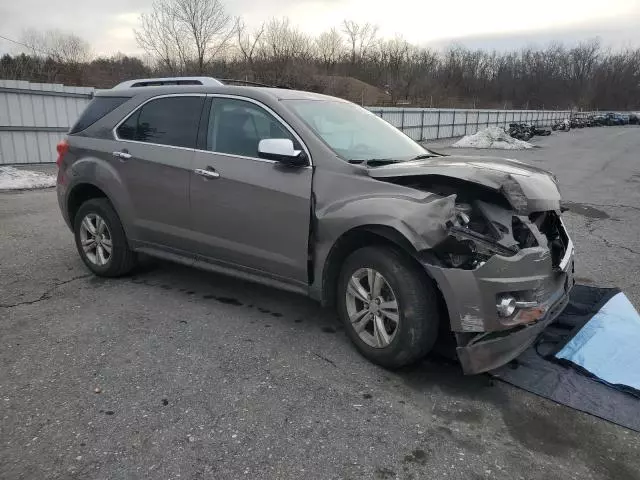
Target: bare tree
280 45
394 55
160 37
62 47
192 36
248 42
583 60
185 34
209 25
330 47
361 38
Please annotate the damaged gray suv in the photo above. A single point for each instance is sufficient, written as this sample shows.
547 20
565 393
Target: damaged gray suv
316 195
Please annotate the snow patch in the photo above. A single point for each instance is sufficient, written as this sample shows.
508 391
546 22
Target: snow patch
16 179
492 137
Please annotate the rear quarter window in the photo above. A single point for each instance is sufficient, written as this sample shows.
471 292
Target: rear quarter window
97 108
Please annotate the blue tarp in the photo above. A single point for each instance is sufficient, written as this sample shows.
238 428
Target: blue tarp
588 359
608 345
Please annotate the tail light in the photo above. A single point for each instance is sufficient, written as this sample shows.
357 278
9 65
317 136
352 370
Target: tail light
62 148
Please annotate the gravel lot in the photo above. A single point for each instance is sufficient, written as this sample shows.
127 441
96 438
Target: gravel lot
202 376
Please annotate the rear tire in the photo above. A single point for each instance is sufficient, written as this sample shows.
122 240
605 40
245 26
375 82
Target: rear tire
417 312
101 241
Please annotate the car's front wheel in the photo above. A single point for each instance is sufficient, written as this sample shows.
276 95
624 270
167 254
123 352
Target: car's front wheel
388 306
101 240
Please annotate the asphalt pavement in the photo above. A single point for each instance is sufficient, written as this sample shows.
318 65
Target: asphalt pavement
177 373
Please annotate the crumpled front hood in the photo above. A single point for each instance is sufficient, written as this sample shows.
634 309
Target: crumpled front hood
527 188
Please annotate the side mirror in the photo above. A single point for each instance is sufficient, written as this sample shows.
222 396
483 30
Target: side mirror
281 150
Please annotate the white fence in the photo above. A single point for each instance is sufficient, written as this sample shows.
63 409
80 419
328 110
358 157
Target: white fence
433 123
35 116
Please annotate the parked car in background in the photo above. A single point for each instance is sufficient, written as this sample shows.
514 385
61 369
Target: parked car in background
634 118
577 122
613 119
316 195
562 125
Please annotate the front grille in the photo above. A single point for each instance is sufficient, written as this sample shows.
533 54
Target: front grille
551 227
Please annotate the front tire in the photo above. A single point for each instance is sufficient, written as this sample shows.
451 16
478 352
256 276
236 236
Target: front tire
388 305
101 241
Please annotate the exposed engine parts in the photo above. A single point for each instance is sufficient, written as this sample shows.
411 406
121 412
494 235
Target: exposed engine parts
482 230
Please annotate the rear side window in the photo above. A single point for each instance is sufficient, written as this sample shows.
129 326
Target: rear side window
166 121
97 108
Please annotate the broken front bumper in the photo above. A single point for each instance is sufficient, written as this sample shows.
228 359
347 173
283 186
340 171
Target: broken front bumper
485 339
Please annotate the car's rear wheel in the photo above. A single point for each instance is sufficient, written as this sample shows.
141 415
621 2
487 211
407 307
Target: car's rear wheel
101 241
388 306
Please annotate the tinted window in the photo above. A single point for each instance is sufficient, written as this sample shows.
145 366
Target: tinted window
167 121
97 108
237 126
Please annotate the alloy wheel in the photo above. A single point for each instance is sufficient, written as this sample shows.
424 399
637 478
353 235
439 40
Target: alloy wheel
95 238
372 308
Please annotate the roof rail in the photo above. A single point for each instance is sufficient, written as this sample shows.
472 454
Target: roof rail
155 82
233 81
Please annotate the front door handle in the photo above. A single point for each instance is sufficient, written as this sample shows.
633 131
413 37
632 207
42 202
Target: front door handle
208 172
122 155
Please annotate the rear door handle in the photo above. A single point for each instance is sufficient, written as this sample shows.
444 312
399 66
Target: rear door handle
123 155
208 172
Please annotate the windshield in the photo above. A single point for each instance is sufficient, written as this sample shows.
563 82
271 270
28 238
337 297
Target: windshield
354 133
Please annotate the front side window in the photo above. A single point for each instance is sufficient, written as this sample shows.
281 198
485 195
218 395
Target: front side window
165 121
237 126
354 133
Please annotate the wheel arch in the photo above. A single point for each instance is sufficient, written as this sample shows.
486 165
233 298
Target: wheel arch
85 190
350 241
81 193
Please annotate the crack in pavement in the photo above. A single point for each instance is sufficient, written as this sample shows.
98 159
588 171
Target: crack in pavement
328 360
47 294
613 245
621 205
591 229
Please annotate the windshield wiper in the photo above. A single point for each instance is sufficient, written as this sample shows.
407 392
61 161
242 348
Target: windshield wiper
373 162
422 156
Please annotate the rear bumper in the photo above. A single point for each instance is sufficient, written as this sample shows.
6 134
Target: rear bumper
486 340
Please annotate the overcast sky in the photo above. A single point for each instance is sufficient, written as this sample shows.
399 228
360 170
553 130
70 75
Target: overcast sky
500 24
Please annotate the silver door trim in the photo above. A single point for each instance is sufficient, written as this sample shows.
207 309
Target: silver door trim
122 155
234 97
206 173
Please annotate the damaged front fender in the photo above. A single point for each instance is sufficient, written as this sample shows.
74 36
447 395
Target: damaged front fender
422 221
417 220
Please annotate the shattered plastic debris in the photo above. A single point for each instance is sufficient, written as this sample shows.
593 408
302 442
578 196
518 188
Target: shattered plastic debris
492 137
16 179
